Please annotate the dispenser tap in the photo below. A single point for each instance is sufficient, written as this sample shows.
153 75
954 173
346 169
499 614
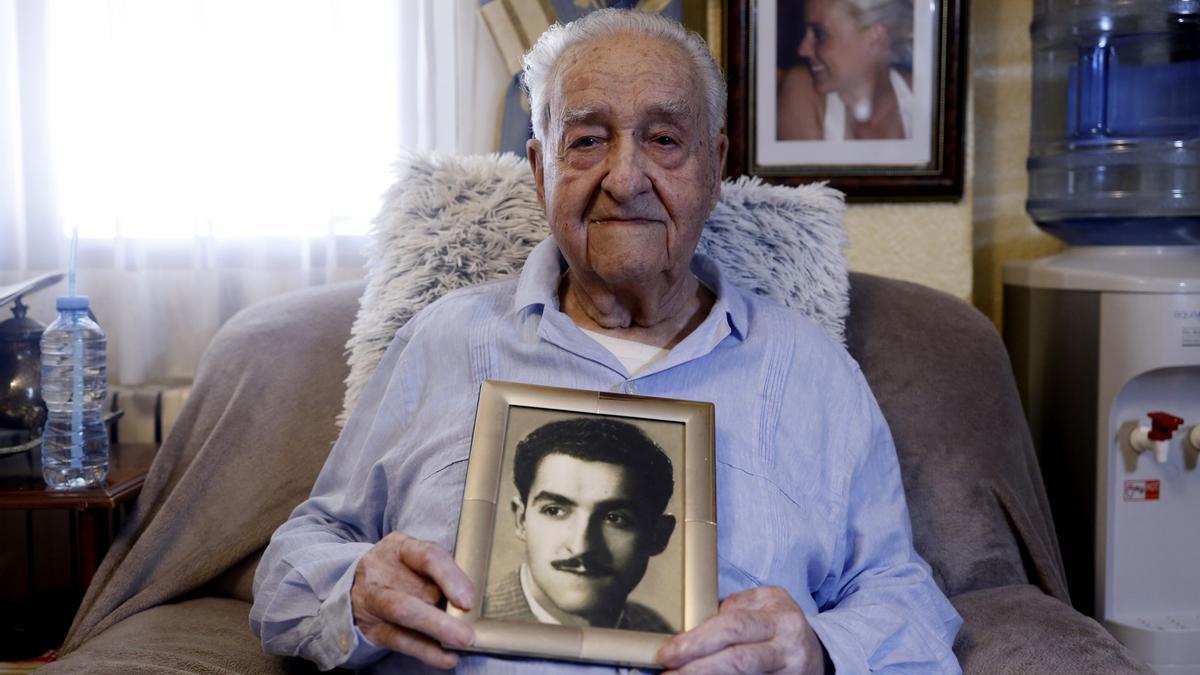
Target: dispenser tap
1154 437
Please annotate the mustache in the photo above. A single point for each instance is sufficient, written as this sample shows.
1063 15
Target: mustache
585 565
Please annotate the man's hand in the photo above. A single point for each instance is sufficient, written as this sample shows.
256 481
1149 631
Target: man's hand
397 586
758 630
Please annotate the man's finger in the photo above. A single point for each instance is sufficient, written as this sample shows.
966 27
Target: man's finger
758 597
407 642
436 563
408 611
418 585
376 577
757 657
725 629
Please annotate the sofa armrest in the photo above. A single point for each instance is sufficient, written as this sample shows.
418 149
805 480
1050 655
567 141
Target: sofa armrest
201 635
1020 629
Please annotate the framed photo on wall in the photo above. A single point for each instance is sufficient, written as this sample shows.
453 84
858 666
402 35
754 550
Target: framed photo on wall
588 523
867 94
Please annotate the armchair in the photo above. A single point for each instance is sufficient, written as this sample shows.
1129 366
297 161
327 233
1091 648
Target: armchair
174 591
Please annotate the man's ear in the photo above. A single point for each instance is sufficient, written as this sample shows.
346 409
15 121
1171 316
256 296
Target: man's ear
664 525
533 152
518 512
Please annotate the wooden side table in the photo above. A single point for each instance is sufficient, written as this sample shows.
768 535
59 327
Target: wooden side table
94 515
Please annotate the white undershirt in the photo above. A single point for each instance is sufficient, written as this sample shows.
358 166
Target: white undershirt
635 356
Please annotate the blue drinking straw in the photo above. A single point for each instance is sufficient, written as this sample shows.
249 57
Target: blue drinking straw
71 260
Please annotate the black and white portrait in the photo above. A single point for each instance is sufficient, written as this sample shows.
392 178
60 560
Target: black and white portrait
588 526
844 82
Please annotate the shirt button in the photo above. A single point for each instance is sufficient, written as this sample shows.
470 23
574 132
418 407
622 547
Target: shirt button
630 388
344 642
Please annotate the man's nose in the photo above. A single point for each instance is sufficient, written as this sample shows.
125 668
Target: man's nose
587 536
626 177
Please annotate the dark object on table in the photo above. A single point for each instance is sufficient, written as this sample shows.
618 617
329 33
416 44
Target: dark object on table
21 405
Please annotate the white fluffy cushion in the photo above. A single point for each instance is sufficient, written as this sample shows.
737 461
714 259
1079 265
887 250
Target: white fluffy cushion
450 222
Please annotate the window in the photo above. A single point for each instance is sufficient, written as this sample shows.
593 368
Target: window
221 118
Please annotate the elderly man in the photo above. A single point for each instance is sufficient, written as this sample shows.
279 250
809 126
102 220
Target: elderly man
815 559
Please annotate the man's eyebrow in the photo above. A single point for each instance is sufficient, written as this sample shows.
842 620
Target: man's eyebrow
607 505
619 504
553 497
577 115
678 107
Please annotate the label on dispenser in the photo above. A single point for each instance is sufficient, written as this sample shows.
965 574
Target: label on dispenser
1191 336
1141 490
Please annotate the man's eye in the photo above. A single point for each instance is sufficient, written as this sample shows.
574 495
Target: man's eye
586 142
553 511
619 519
664 141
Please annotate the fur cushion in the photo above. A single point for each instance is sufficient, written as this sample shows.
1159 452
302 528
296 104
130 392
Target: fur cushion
450 222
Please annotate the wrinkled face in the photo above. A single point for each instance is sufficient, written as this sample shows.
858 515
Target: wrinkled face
628 172
839 52
587 542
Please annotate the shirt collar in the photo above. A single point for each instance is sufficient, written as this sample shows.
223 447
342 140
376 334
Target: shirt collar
540 278
534 606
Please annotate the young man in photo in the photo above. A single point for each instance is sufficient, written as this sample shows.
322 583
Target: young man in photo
590 511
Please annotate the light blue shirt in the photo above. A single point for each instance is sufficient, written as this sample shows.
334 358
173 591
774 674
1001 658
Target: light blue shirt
809 496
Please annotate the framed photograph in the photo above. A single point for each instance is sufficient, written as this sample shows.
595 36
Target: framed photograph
589 523
866 94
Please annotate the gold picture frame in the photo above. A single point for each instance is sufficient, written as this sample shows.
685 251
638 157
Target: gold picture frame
762 41
683 430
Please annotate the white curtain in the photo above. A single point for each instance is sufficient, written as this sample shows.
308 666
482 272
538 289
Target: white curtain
213 153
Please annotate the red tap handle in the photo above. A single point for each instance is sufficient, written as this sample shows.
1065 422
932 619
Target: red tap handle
1162 425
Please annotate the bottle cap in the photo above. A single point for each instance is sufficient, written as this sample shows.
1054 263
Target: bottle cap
71 302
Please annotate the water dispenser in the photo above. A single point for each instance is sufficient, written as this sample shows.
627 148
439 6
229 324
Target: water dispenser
1105 337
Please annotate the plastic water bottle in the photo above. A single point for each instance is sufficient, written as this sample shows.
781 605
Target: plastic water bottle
74 385
1114 153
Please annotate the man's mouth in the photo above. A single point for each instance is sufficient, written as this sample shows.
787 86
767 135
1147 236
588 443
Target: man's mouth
581 568
623 220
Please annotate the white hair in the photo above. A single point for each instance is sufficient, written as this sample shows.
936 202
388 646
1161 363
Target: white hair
897 17
541 59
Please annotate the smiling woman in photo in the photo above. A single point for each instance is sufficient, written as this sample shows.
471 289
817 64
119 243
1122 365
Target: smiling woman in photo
854 77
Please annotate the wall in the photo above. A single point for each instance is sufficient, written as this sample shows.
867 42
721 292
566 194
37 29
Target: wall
961 248
929 243
1001 76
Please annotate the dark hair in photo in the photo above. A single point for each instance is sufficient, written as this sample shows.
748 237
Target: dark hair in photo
599 440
